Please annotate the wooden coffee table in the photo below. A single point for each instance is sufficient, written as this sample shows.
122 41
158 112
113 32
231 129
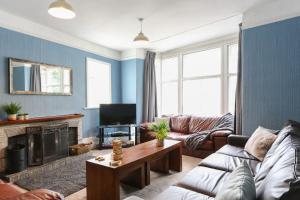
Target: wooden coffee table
103 180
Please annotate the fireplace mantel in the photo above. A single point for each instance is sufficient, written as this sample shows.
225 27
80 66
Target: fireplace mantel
41 119
14 128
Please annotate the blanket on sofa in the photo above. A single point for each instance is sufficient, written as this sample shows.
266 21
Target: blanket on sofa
195 140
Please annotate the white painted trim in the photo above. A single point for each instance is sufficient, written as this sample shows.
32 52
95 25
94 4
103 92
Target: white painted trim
270 12
22 25
202 46
133 54
87 83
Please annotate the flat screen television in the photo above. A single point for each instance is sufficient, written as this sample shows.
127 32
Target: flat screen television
117 114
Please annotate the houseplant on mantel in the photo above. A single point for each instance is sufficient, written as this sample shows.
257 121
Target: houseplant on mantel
12 110
161 132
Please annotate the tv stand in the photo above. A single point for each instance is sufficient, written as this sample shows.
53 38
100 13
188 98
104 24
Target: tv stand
124 130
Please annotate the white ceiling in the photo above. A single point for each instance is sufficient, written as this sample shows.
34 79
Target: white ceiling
113 23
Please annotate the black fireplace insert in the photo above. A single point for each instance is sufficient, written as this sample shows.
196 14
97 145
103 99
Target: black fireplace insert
47 143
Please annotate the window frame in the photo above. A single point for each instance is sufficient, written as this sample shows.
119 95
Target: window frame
223 44
87 82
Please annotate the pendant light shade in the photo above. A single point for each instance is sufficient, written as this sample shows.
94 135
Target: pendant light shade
141 38
61 9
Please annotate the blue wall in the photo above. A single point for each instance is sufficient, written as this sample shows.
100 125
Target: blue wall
132 84
139 88
271 74
128 70
18 45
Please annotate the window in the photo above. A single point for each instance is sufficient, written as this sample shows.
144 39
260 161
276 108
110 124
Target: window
98 77
169 86
232 75
55 80
202 82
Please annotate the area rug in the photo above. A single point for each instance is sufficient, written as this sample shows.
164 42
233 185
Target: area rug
66 179
70 180
159 182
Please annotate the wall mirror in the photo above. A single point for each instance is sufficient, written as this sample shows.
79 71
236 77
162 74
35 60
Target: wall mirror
27 77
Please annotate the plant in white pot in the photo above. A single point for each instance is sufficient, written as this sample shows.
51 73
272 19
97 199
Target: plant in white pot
12 110
161 132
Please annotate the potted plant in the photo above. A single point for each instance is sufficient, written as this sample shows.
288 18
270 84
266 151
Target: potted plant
161 132
12 110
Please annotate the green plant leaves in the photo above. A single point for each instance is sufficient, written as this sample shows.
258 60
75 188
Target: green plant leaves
12 108
161 129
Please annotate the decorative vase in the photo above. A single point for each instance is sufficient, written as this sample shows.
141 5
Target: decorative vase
160 143
12 117
20 117
26 116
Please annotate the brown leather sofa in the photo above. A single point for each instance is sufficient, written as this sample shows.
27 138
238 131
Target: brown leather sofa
182 126
10 191
276 177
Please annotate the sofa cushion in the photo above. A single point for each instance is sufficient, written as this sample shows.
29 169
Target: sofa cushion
204 180
178 193
260 142
177 136
180 124
279 175
133 198
39 194
158 120
227 163
8 190
239 185
207 145
198 124
235 151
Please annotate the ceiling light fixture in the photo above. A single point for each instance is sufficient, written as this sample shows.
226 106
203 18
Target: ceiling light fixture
61 9
141 38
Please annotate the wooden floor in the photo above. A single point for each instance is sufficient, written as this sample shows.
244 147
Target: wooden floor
165 180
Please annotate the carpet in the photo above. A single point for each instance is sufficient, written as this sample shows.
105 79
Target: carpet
66 179
70 180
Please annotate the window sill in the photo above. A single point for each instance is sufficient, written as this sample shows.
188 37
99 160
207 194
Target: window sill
90 108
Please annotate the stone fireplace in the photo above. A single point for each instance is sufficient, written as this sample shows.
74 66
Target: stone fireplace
13 132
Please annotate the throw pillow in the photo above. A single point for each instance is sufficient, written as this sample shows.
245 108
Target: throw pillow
260 142
239 185
180 124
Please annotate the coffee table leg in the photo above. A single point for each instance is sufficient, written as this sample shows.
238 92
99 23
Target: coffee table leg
147 173
102 184
175 159
136 178
161 164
